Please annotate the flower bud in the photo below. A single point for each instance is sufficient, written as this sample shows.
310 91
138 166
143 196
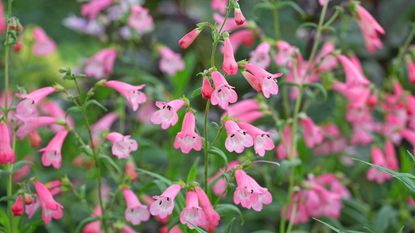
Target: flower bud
18 207
207 89
188 39
239 17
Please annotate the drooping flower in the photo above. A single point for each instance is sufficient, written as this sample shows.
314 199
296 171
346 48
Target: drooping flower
313 135
24 170
18 207
53 109
242 37
52 153
265 81
353 75
140 19
164 204
131 93
43 45
102 125
375 174
248 193
166 116
262 140
192 215
212 217
285 53
50 208
229 66
370 29
135 212
223 93
246 110
237 139
187 139
145 111
239 17
122 146
101 64
33 123
207 88
7 154
260 56
188 39
94 7
170 62
27 106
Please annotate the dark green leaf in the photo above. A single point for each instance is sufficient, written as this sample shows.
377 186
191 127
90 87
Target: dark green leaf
193 172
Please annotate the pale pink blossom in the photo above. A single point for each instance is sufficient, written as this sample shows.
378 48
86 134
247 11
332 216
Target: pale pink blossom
170 62
212 217
131 93
94 7
229 66
370 29
50 208
219 5
135 212
166 116
237 139
95 226
24 170
33 123
140 19
187 139
266 81
122 146
245 110
192 215
43 45
52 153
283 150
130 171
53 109
27 106
285 53
262 139
220 184
313 135
353 74
224 94
326 61
7 155
245 37
101 64
164 204
102 125
260 56
145 111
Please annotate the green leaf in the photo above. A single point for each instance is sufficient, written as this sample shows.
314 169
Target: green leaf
319 87
401 230
216 151
229 226
193 172
84 222
197 92
110 162
329 226
96 103
222 208
7 198
200 230
155 175
411 155
291 5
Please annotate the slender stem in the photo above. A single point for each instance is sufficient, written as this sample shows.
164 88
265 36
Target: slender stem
406 44
276 21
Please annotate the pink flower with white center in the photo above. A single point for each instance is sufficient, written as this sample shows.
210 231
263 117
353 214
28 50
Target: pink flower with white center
170 62
54 110
262 140
223 93
131 93
122 146
285 53
220 184
101 64
219 5
353 75
7 155
149 201
411 70
266 80
188 39
140 19
164 204
375 174
187 139
246 110
166 116
229 66
102 125
239 17
33 123
370 29
192 215
52 153
248 193
212 217
313 135
50 208
207 88
237 138
283 150
43 45
27 106
135 212
94 7
260 56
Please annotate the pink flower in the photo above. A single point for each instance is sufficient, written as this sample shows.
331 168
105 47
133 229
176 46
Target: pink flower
145 111
223 93
94 7
33 123
284 148
260 56
130 171
357 95
95 226
131 93
166 116
27 106
332 184
24 170
411 70
262 140
325 60
188 139
135 212
219 187
101 64
249 194
18 207
229 66
164 204
212 217
122 146
52 153
43 45
285 53
188 39
370 29
265 82
6 152
219 5
229 25
170 62
375 174
353 75
246 110
174 229
50 208
102 125
390 156
409 135
313 135
237 138
140 19
207 88
192 215
54 110
322 2
245 37
239 17
3 24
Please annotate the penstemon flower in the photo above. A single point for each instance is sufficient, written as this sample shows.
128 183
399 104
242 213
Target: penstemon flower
27 106
229 66
187 139
219 5
18 207
374 174
50 208
263 81
353 75
140 19
237 139
219 187
130 171
239 17
207 88
102 125
262 140
411 70
249 194
122 146
313 135
285 53
43 44
33 123
370 29
192 215
223 94
52 153
131 93
246 110
164 204
188 39
212 217
166 116
94 7
135 212
260 56
170 62
95 226
6 152
101 64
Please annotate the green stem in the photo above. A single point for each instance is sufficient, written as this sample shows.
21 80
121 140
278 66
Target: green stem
276 21
406 44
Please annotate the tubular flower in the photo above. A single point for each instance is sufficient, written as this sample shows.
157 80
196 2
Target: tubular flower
229 66
122 146
263 80
43 44
262 140
101 64
370 29
164 204
18 207
187 139
237 138
6 152
188 39
33 123
52 153
260 56
353 74
27 106
223 93
170 62
192 215
207 88
166 116
378 159
131 93
212 217
140 19
313 135
411 70
50 208
239 17
135 212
